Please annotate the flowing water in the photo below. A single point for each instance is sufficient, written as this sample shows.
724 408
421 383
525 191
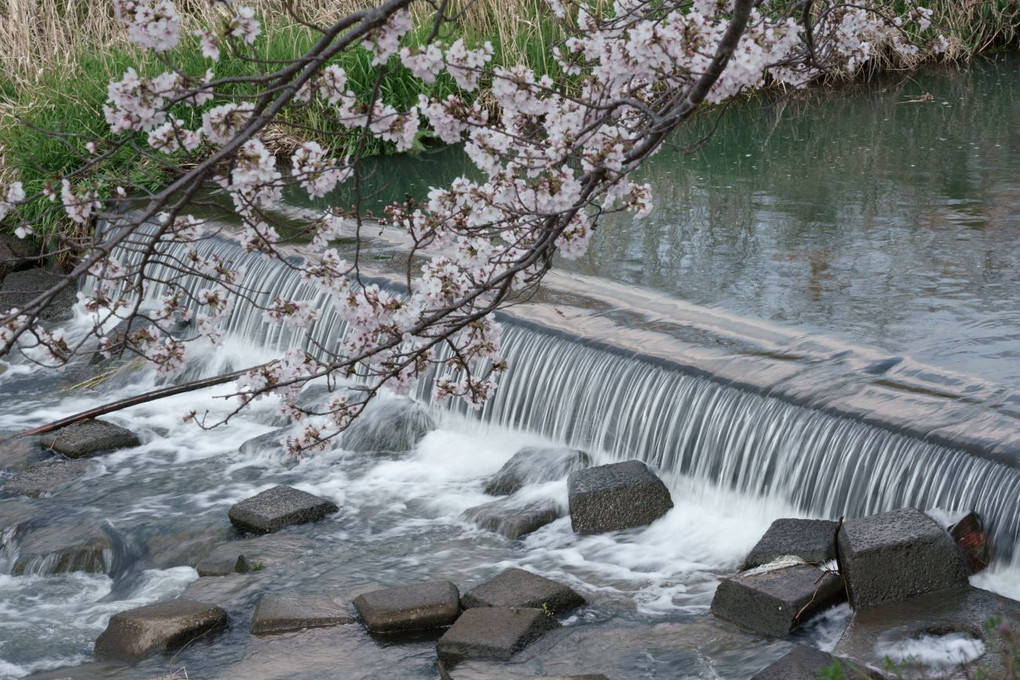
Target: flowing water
733 459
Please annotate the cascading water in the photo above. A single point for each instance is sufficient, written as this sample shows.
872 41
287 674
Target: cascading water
687 426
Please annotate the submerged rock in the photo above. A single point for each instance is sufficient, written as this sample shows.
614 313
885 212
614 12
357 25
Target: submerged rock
137 633
64 546
812 540
46 479
897 555
616 496
774 601
278 507
517 588
421 606
89 437
946 633
532 465
513 519
493 633
388 425
185 548
286 613
222 563
808 663
19 453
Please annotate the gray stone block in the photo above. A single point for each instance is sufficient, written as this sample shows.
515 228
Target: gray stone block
897 555
156 628
510 518
534 465
616 496
493 633
89 437
184 548
286 613
278 507
812 540
390 425
46 479
808 663
517 588
775 602
20 453
421 606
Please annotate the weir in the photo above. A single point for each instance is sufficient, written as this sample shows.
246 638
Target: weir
739 431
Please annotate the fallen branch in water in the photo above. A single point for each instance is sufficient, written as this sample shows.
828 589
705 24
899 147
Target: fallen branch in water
130 401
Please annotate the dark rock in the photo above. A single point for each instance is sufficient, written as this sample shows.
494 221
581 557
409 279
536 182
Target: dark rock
21 287
874 633
616 496
222 562
17 254
89 437
19 453
517 588
407 608
155 628
388 425
812 540
493 633
588 676
185 548
774 602
286 613
278 507
971 539
897 555
65 546
512 519
46 478
808 663
533 465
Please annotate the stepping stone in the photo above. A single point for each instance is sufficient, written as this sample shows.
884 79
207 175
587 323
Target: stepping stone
184 548
517 588
222 562
46 478
808 663
775 601
617 496
278 507
156 628
897 555
63 547
493 633
286 613
511 519
89 437
407 608
534 465
388 425
812 540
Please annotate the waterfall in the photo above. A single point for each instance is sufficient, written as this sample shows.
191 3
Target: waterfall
628 406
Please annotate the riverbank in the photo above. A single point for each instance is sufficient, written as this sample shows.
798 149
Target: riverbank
62 58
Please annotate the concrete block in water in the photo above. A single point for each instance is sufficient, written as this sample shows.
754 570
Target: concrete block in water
534 465
513 519
775 601
89 437
63 546
286 613
388 425
616 496
517 588
422 606
223 562
493 633
46 479
808 663
897 555
137 633
812 540
278 507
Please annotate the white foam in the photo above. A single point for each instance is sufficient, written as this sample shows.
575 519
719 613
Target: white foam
940 655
